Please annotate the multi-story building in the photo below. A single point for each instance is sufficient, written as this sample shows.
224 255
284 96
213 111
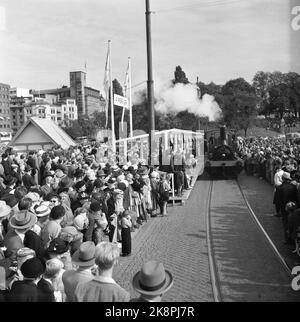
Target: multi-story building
67 112
19 92
22 109
5 126
77 90
93 101
52 95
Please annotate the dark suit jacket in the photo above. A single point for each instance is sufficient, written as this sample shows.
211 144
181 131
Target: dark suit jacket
28 181
12 242
23 291
7 167
286 192
32 162
33 241
46 291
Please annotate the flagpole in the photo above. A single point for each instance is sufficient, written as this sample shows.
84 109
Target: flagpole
129 101
113 139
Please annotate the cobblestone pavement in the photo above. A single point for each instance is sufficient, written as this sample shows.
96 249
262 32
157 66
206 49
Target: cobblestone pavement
247 268
179 241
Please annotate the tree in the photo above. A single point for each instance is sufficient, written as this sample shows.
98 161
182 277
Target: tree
179 76
74 130
239 105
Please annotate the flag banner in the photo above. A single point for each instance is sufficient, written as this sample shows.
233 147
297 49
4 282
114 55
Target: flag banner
106 85
126 82
120 101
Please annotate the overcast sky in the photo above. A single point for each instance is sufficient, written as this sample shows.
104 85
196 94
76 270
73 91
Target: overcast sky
41 41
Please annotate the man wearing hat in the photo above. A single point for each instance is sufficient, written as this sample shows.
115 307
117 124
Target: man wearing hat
103 288
84 259
152 281
286 192
20 223
47 187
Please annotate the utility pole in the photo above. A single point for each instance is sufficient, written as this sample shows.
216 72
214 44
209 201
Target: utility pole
150 93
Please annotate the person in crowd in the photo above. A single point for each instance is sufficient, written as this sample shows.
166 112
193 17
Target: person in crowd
72 236
126 225
60 249
97 224
287 192
103 288
294 225
20 223
164 194
54 271
42 212
15 274
84 260
26 290
27 179
47 187
52 228
277 183
152 282
5 211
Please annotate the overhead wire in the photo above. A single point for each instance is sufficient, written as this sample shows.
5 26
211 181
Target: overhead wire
199 5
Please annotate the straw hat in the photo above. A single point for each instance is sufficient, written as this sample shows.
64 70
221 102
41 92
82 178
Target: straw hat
42 210
23 219
152 279
85 255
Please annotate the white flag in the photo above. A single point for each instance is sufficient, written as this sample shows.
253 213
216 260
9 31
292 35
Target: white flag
106 85
126 91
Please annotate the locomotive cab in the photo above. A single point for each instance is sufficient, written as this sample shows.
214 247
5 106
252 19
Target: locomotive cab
222 161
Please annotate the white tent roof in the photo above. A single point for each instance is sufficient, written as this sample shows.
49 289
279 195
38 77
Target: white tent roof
50 129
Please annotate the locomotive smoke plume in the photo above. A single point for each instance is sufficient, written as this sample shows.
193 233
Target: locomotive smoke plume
181 97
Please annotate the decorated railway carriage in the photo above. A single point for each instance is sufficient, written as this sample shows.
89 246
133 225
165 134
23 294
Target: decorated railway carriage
221 159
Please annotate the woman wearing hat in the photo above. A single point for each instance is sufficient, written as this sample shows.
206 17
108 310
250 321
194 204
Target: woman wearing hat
59 248
152 281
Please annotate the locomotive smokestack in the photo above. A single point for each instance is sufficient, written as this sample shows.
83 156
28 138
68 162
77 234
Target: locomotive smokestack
223 135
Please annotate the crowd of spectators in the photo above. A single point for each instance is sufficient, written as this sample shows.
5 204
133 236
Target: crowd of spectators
277 160
65 218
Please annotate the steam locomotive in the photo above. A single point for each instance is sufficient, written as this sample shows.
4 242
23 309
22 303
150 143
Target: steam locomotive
222 161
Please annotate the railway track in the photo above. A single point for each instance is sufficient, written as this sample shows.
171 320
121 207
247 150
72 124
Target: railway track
216 280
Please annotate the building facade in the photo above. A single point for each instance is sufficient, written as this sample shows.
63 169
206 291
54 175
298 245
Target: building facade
19 92
5 121
22 109
77 90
